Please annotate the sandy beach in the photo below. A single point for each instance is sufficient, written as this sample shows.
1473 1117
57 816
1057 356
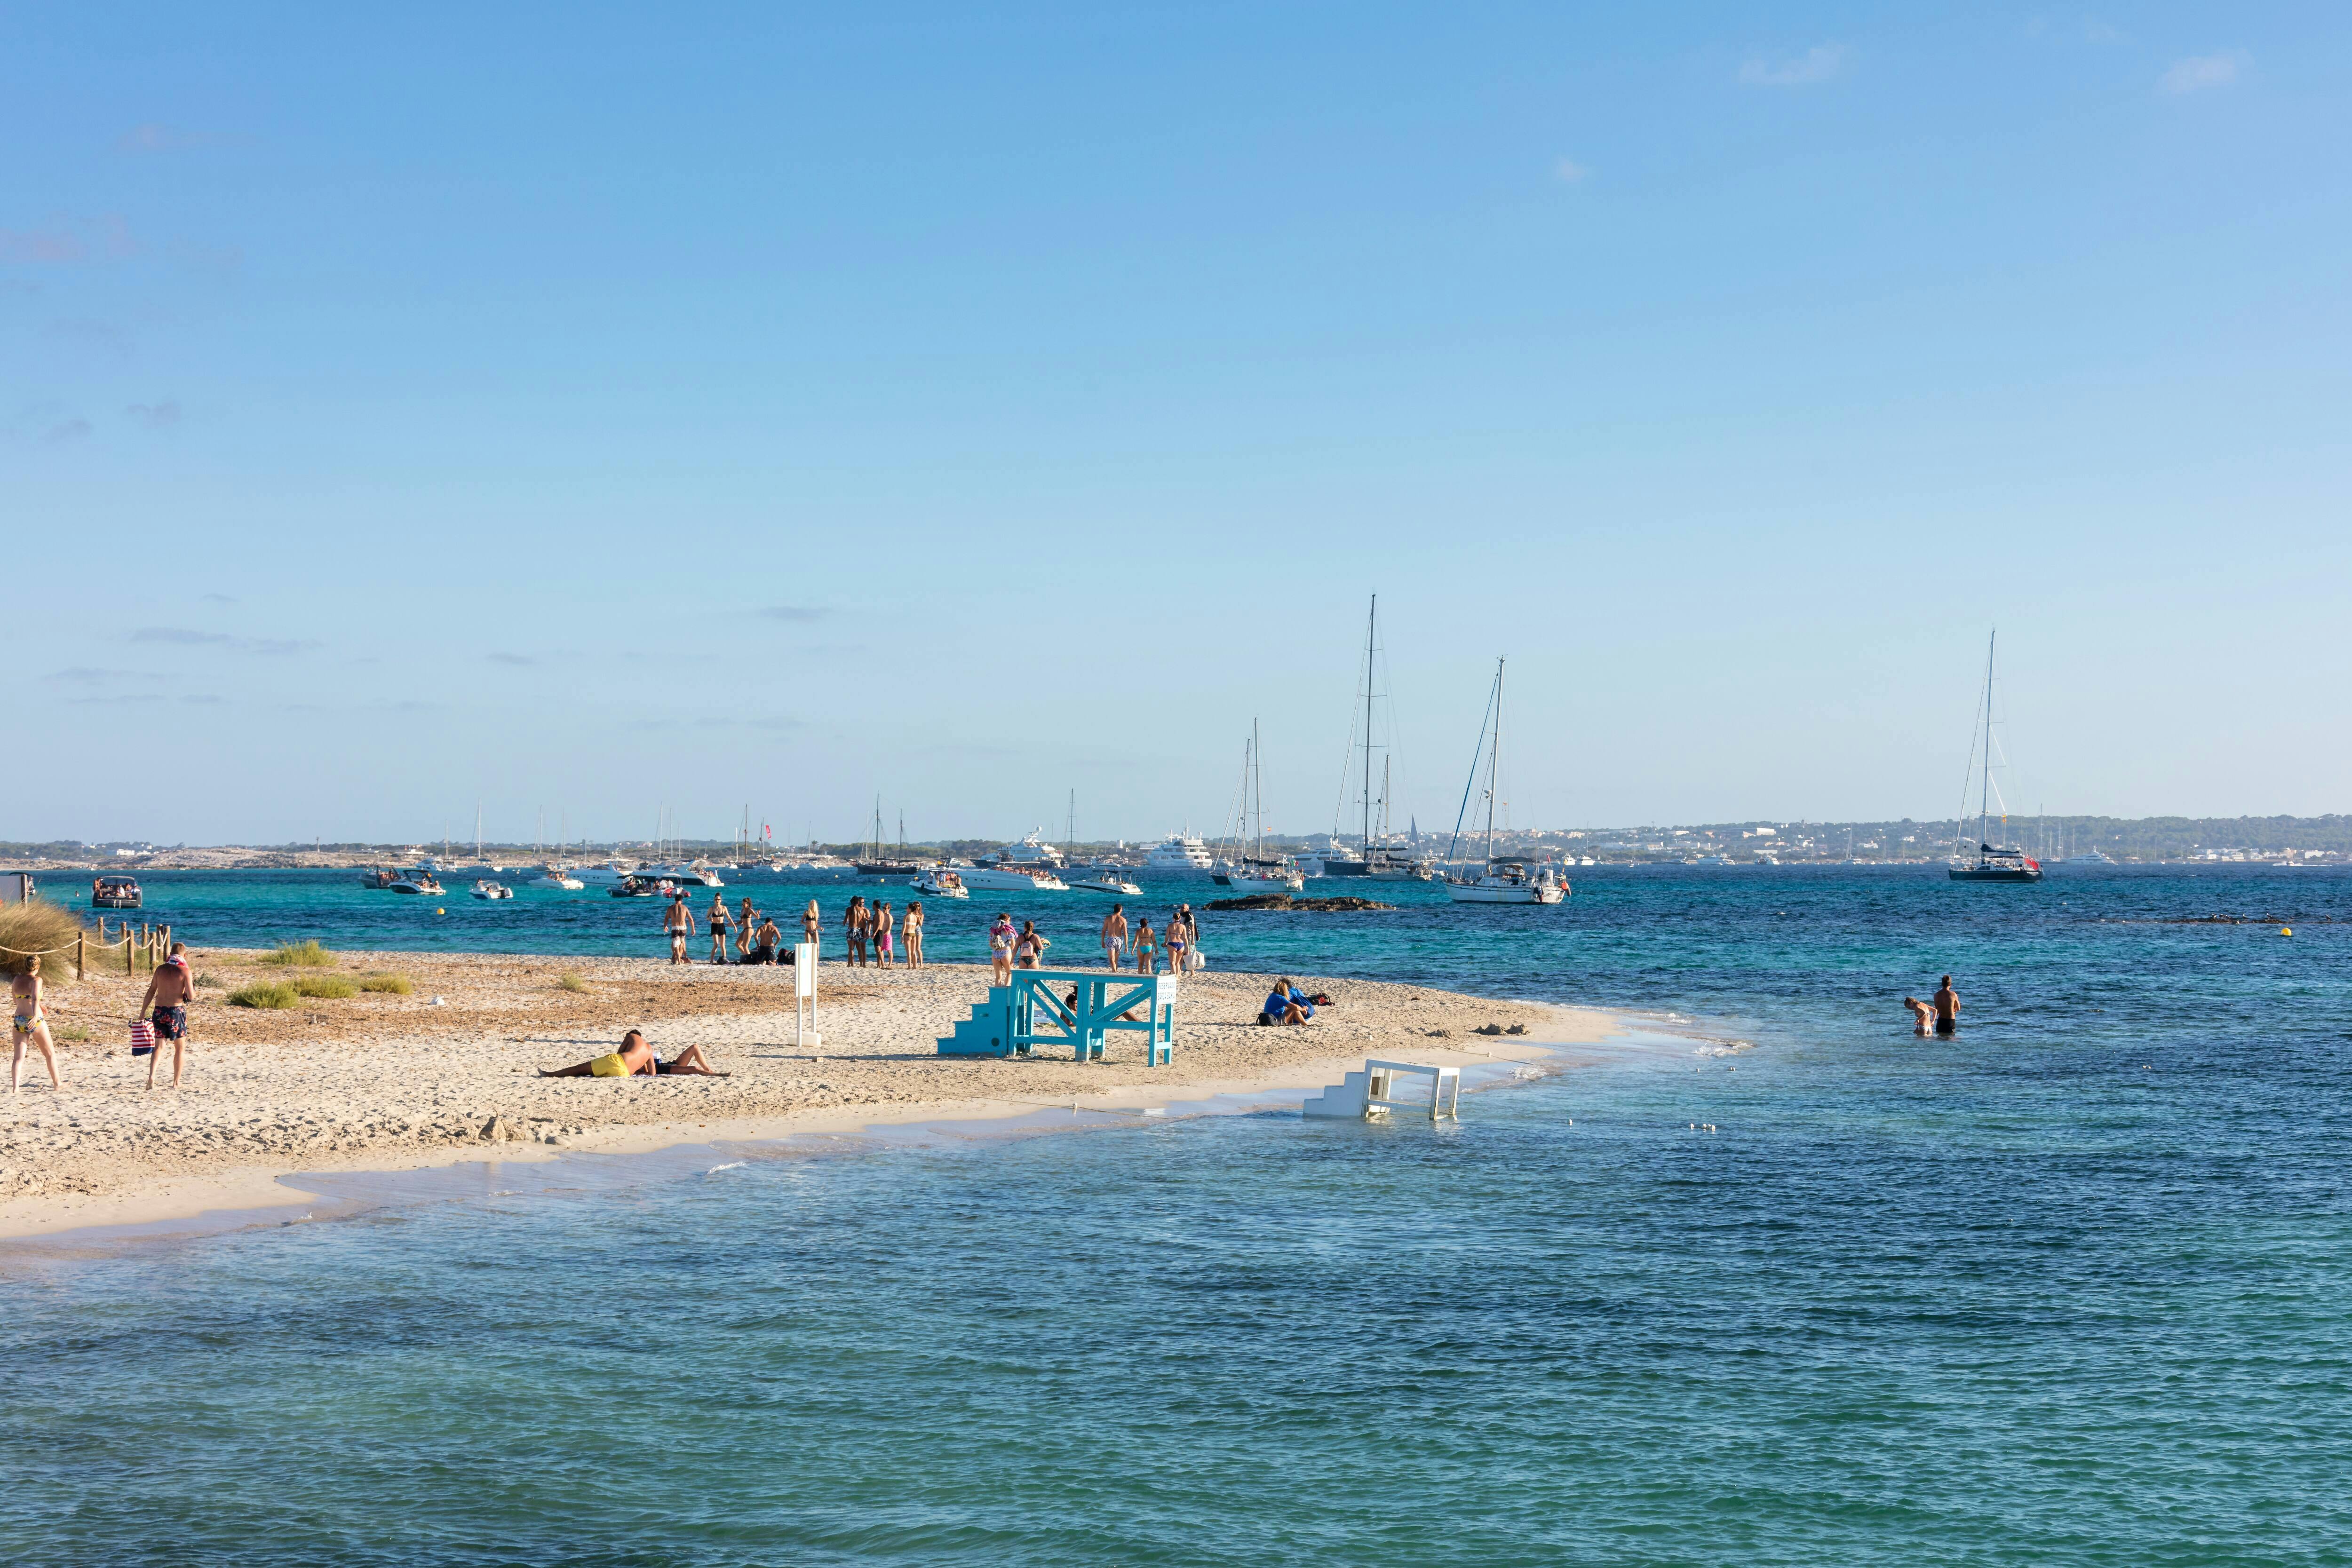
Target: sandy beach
450 1072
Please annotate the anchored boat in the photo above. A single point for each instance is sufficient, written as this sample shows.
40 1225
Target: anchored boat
1988 862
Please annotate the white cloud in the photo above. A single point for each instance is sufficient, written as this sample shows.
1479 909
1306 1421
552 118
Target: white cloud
2199 72
1816 65
1568 172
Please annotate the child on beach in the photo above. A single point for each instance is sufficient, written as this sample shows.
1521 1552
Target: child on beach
999 949
32 1024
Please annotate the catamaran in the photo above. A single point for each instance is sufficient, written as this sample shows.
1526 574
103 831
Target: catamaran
1987 862
1503 880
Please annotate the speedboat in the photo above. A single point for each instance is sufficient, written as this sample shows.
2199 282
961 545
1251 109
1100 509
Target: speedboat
417 880
604 875
1255 879
1710 859
939 882
486 888
378 878
1106 881
557 877
636 886
683 874
114 892
1508 882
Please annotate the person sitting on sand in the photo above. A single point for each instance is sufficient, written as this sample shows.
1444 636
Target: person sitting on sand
32 1025
1286 1004
1921 1014
634 1056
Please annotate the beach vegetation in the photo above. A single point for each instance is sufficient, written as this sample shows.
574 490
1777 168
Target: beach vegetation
209 982
393 984
36 925
303 954
72 1034
330 987
271 994
570 982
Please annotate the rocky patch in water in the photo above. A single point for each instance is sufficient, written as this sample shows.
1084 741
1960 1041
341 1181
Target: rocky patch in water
1284 901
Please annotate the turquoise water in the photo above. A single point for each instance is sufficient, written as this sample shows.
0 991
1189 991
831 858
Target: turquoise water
2073 1287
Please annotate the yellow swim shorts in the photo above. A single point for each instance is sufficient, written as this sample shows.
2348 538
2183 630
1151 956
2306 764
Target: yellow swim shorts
608 1067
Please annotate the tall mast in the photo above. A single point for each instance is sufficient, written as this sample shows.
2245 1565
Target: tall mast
1984 791
1494 762
1258 792
1372 624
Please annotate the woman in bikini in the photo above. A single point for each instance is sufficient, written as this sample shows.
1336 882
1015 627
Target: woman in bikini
812 924
1000 950
634 1056
720 920
910 929
1176 944
881 935
853 925
745 924
1147 948
31 1024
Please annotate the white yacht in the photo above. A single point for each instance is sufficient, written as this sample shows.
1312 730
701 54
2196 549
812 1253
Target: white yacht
606 876
1005 877
698 874
1179 851
417 880
2088 857
1710 859
555 876
1285 880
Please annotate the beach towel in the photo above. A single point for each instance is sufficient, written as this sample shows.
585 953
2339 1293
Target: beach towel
142 1037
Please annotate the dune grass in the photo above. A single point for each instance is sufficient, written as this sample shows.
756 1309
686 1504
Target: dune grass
570 982
328 987
72 1034
36 925
395 984
265 994
303 954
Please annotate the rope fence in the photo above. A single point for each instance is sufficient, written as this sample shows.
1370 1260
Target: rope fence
153 942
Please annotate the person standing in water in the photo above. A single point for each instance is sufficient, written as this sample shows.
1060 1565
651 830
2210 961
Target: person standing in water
32 1026
1947 1008
1922 1014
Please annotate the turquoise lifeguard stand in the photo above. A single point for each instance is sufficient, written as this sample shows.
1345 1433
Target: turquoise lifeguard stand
1030 1012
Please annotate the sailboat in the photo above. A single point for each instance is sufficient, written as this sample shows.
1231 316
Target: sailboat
1503 880
1987 862
1377 857
1260 872
875 864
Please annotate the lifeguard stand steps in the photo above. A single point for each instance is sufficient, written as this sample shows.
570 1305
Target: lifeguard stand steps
1370 1095
1031 1012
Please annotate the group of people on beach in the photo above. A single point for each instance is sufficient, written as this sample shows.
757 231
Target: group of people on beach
758 938
163 1019
870 927
1025 949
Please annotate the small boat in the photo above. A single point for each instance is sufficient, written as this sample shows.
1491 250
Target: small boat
417 880
939 882
555 876
378 878
1107 883
1709 859
1763 857
486 888
114 892
1502 881
681 872
635 886
1989 862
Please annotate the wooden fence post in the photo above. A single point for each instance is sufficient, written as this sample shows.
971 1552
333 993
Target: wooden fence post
81 952
129 953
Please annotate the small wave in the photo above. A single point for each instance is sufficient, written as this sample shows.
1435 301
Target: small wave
731 1165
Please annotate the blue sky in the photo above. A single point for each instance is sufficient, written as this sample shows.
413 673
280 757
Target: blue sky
587 410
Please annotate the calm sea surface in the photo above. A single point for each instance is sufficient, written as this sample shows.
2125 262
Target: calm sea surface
2073 1287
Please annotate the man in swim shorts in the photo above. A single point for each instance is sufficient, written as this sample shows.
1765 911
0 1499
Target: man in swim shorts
169 992
1114 934
635 1057
678 920
1947 1008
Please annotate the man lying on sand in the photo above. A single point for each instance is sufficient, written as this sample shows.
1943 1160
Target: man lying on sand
636 1055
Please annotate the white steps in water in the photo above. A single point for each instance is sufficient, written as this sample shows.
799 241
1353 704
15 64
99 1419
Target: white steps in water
1361 1096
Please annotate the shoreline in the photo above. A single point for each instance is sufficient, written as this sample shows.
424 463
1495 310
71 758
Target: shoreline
391 1084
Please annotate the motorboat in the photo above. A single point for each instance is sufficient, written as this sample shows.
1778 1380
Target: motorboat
486 888
378 877
604 875
697 874
2088 857
1709 859
1103 881
1179 851
1001 876
555 876
1508 882
1763 857
115 892
418 881
939 882
635 886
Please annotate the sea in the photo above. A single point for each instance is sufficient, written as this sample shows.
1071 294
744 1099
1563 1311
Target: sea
1765 1279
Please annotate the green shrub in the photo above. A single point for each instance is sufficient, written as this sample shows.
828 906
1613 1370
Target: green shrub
304 954
263 994
73 1034
36 925
207 982
330 987
571 982
397 985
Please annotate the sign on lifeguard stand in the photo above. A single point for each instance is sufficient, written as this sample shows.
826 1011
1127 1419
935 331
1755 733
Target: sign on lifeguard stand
804 995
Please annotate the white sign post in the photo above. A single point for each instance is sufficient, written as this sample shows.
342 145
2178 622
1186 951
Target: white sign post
804 996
